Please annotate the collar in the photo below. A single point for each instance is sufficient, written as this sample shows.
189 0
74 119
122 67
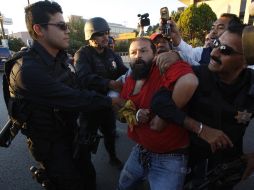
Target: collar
47 58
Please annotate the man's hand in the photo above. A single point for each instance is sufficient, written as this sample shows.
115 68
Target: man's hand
164 60
115 85
174 33
250 165
158 124
118 103
216 138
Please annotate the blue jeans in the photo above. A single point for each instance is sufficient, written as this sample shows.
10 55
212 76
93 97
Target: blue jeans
163 171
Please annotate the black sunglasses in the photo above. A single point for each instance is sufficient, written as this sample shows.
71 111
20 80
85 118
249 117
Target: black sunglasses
61 25
100 34
225 49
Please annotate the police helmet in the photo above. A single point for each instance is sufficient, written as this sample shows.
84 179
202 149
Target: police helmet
93 25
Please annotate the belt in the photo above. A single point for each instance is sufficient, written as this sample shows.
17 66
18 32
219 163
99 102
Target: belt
179 151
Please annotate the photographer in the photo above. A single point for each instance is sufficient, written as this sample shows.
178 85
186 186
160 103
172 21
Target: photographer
200 55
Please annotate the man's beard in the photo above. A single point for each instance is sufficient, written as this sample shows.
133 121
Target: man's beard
140 69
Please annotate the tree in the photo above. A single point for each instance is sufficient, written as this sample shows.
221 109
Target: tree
207 17
15 44
77 36
195 22
175 15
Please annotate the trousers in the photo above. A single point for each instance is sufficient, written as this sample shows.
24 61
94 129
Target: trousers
163 171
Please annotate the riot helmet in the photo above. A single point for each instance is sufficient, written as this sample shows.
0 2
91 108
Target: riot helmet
94 25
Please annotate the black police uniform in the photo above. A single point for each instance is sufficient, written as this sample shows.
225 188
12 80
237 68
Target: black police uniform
48 85
217 104
106 65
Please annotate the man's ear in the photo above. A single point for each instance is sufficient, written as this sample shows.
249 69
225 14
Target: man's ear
93 42
38 30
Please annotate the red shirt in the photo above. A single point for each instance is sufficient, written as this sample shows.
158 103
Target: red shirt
171 137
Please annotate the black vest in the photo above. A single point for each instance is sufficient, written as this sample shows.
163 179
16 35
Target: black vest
107 64
205 56
44 121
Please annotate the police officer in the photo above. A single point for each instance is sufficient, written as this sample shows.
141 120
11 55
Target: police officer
44 89
96 59
222 105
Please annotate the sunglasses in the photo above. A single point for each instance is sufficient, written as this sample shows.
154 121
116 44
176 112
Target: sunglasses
225 49
100 34
61 25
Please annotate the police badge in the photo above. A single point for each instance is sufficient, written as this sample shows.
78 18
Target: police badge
243 116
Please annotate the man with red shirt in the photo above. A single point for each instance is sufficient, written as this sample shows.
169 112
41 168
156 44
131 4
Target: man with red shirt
159 156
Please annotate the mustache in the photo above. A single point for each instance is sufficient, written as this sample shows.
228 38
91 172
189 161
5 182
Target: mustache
139 61
216 59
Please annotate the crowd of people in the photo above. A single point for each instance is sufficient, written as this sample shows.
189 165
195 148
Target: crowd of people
188 109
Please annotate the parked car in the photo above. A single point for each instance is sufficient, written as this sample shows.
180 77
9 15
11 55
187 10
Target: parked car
4 55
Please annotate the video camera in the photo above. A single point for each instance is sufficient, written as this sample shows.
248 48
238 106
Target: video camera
144 20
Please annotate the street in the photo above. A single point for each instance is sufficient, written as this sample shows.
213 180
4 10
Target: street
15 161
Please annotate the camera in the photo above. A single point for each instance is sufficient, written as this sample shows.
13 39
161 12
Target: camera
165 26
144 20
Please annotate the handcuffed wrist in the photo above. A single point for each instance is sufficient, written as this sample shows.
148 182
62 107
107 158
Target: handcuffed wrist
137 115
200 129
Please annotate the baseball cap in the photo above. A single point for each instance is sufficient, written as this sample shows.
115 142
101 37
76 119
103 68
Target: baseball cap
155 35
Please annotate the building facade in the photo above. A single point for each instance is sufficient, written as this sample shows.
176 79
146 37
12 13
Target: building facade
115 30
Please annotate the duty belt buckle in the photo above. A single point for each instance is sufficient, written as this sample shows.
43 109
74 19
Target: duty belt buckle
144 159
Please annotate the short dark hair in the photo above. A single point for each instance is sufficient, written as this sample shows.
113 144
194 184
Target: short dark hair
40 12
236 29
232 17
153 47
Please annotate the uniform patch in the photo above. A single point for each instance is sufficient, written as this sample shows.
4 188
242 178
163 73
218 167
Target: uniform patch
243 116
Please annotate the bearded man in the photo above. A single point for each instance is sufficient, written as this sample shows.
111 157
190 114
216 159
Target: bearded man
154 148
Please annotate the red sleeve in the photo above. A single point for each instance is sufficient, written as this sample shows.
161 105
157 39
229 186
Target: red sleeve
174 72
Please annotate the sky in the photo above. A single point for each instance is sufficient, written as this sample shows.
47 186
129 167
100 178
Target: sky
115 11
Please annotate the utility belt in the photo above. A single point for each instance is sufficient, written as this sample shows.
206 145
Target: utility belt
89 143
